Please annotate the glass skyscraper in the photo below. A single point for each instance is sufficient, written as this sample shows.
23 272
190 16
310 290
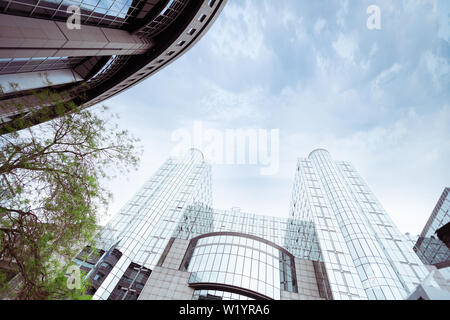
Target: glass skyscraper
429 247
365 255
142 229
168 242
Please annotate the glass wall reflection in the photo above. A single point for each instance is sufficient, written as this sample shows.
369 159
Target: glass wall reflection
241 261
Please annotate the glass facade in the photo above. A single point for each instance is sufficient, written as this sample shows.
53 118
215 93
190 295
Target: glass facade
297 236
365 255
170 12
337 243
107 13
429 247
18 65
241 261
145 224
218 295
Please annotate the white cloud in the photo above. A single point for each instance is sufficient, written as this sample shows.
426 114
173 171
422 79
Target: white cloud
385 77
341 15
346 47
294 25
241 34
437 66
222 105
319 25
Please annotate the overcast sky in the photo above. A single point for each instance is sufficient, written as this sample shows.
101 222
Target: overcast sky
313 70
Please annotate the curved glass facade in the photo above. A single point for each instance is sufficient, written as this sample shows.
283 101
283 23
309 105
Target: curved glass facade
217 295
365 255
108 13
170 12
244 264
337 244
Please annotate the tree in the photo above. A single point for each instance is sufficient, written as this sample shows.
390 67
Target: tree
51 193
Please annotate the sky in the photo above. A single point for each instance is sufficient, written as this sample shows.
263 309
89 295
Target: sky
315 72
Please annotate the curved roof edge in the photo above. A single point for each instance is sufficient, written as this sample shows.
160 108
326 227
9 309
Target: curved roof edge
196 150
318 149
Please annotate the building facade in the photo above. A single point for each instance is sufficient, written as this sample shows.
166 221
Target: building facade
169 243
117 44
131 244
433 248
365 254
429 247
231 255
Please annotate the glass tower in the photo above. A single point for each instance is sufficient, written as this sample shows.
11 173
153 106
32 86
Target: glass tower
168 242
142 228
365 255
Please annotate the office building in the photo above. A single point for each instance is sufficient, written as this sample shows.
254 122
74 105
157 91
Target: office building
429 247
132 243
365 254
337 242
433 248
92 52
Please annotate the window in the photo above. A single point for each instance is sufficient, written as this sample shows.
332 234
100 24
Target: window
98 276
241 260
131 296
105 265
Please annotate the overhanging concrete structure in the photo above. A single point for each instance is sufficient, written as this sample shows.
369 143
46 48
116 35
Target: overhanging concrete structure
119 44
